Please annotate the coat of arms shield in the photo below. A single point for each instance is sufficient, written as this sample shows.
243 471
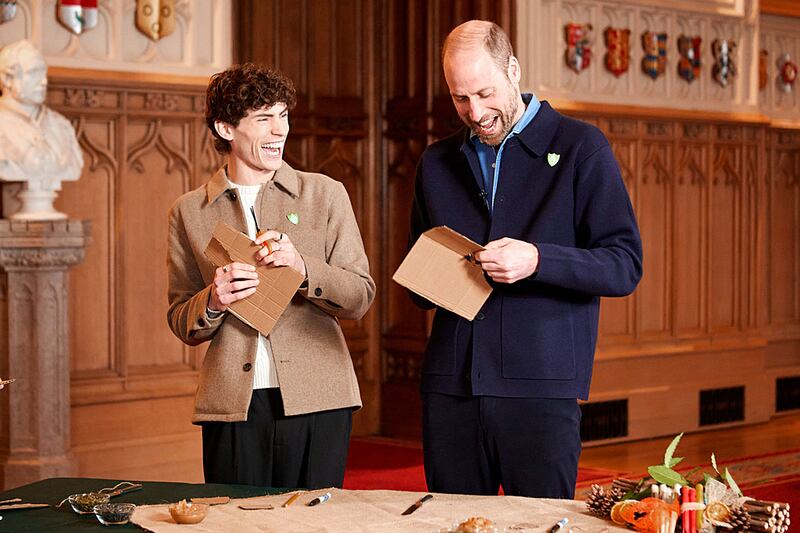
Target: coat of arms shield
618 44
578 54
654 62
724 69
77 15
8 8
787 72
689 63
155 18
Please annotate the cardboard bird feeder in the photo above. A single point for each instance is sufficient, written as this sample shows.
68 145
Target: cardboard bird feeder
278 284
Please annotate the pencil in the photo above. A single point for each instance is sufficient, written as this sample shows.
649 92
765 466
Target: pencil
291 499
264 244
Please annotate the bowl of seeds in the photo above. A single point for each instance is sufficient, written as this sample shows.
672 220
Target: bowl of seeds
112 514
84 503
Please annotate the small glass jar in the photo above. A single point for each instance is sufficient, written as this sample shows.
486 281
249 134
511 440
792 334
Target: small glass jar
112 514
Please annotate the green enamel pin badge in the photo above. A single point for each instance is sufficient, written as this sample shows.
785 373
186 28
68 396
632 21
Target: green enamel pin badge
552 158
294 218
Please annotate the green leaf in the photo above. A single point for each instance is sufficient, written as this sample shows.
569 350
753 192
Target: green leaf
666 475
671 450
731 482
714 464
674 461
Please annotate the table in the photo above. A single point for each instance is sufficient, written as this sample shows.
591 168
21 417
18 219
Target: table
53 490
351 511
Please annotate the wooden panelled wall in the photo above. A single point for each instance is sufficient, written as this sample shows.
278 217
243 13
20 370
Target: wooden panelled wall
371 97
329 50
718 203
144 143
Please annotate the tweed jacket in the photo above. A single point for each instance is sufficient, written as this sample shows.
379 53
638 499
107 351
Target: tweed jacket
559 188
314 368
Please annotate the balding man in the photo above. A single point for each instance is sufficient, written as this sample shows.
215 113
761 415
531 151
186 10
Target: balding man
543 192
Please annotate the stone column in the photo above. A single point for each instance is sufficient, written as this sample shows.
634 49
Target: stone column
35 258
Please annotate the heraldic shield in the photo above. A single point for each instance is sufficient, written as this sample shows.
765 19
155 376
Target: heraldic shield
8 8
77 16
155 18
787 72
578 54
689 63
654 62
724 69
618 44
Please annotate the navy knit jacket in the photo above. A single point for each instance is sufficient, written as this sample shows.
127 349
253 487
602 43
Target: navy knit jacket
534 338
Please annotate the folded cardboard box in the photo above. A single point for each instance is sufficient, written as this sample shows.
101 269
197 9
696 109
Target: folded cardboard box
439 268
278 284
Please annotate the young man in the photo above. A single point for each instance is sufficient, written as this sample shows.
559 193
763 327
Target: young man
544 193
276 410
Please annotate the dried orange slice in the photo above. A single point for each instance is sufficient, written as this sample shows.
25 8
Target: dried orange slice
616 511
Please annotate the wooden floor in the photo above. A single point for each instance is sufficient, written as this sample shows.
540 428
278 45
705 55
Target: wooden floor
780 433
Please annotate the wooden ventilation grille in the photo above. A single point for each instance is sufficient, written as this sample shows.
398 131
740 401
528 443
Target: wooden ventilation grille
787 393
604 420
718 406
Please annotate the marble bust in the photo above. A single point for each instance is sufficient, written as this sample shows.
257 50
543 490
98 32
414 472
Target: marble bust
37 145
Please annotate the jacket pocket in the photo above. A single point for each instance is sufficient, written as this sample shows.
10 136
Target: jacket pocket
440 355
308 241
538 338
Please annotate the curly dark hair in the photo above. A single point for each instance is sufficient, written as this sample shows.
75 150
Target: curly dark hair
233 93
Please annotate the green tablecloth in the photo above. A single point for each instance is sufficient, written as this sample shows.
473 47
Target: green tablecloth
52 491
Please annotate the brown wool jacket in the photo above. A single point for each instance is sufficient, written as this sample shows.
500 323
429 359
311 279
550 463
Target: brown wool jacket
313 364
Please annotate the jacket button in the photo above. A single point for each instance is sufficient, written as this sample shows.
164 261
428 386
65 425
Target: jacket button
247 367
318 291
480 316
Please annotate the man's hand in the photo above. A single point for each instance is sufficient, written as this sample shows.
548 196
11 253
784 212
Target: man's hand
283 252
508 260
232 282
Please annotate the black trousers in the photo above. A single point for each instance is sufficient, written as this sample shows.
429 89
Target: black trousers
472 445
274 450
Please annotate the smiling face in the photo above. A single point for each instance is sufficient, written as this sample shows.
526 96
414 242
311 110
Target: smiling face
258 141
486 98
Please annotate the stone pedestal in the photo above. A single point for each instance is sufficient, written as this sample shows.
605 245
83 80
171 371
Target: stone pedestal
35 258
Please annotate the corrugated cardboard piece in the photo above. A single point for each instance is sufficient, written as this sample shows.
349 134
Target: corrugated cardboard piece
438 268
278 284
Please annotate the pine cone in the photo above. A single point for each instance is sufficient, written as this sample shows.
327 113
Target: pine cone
599 501
739 519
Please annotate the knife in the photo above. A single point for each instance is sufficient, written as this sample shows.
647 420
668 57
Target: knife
417 504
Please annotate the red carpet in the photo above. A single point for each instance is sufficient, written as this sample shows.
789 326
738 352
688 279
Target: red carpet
771 477
380 463
377 463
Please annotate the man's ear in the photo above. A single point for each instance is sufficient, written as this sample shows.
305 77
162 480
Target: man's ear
224 130
514 71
